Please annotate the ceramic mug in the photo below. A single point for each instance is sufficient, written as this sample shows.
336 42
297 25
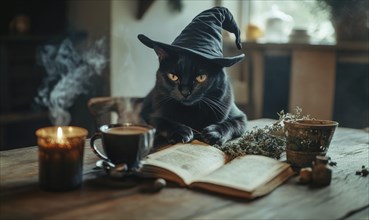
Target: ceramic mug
124 143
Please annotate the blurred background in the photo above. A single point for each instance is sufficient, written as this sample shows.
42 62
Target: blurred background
55 55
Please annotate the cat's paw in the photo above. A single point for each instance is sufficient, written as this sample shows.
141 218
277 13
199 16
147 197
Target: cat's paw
182 134
212 135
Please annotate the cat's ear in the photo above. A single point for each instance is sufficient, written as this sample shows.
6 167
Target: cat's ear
162 54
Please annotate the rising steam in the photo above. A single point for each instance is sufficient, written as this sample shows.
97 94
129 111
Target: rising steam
68 74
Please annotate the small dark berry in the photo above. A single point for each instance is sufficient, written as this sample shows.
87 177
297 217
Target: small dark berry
364 172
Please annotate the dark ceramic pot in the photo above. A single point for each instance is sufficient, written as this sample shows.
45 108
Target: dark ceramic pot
306 139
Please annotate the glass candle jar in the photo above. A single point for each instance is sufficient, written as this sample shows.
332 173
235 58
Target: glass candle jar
60 157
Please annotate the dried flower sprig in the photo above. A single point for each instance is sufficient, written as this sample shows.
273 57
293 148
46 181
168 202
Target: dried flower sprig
260 141
268 141
292 117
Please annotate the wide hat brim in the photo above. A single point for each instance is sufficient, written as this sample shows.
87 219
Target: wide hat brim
222 61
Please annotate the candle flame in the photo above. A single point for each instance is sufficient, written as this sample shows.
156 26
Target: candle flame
59 135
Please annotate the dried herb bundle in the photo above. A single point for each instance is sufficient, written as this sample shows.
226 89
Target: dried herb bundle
268 141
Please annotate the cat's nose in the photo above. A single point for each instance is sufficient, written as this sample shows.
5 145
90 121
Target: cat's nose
185 92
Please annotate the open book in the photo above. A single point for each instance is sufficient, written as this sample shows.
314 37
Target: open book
197 165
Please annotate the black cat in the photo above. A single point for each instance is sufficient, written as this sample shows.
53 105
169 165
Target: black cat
192 97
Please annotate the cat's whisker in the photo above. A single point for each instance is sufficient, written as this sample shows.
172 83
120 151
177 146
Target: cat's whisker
196 131
214 101
209 106
164 100
217 101
219 107
213 107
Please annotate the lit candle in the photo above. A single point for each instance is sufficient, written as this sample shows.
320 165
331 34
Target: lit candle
59 136
60 157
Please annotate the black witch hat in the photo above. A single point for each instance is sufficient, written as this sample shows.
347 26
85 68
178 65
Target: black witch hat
203 37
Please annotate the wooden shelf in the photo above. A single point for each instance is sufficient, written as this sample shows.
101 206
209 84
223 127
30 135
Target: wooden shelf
342 46
326 80
20 78
20 117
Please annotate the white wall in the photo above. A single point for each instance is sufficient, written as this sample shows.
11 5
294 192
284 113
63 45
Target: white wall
133 65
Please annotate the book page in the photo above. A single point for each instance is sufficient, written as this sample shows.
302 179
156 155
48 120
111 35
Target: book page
246 173
189 161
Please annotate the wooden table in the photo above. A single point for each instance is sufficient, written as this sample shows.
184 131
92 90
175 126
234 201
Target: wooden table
103 198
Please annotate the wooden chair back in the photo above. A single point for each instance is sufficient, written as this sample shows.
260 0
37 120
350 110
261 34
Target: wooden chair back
127 109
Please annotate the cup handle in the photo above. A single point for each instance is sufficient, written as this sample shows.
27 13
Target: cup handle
94 148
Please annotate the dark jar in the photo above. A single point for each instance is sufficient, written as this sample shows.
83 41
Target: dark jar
322 172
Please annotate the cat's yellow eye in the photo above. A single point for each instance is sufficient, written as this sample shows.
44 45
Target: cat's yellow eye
172 77
201 78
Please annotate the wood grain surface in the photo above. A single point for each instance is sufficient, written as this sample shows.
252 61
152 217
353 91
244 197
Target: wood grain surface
101 197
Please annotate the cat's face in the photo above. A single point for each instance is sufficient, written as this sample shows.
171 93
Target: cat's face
187 79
